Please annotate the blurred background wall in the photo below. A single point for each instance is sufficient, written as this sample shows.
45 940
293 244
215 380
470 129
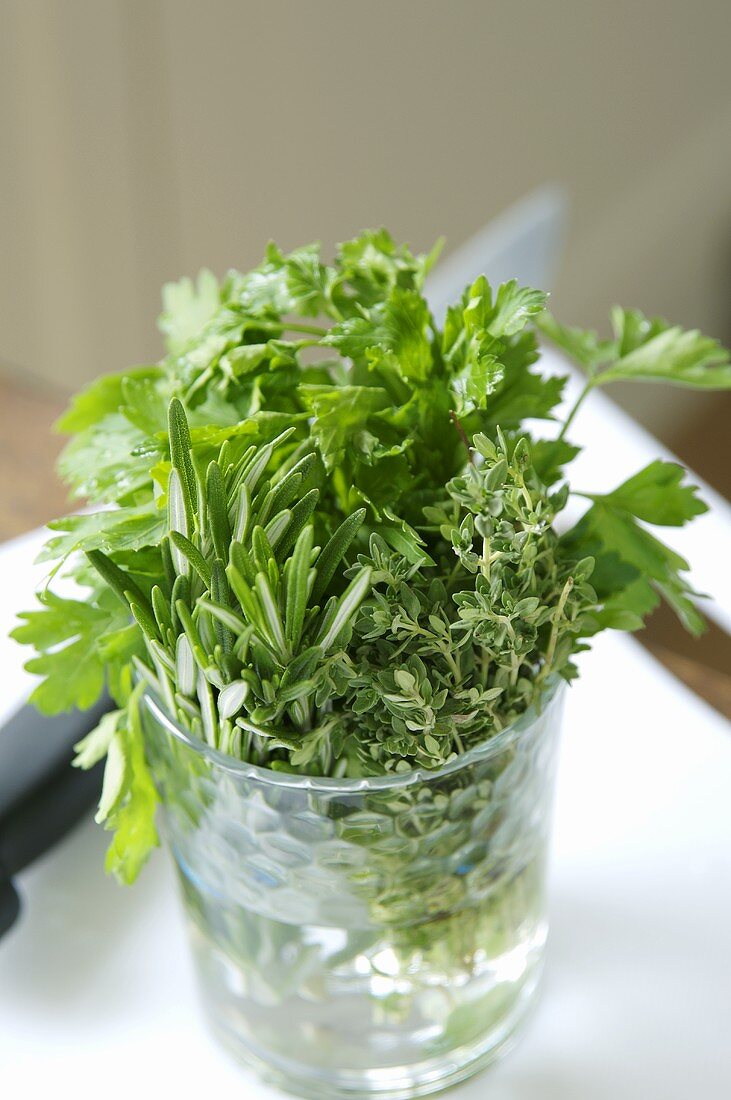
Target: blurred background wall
142 139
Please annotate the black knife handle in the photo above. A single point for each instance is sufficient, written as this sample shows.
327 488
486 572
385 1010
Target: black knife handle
41 795
9 904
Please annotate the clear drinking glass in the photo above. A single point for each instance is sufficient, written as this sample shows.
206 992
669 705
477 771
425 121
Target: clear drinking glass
364 937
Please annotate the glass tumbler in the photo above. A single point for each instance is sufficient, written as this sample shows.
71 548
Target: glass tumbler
363 937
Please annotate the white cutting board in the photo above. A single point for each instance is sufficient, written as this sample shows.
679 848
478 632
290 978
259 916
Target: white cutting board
97 992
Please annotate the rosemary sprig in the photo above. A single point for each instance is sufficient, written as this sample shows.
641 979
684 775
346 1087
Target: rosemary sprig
242 638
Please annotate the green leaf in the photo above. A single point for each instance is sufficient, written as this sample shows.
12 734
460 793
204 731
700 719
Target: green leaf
394 335
185 670
406 334
145 404
262 551
187 308
187 550
231 698
264 292
346 607
340 415
119 581
549 456
477 335
119 646
653 351
110 532
180 520
92 404
102 397
300 515
645 349
404 539
605 530
514 306
72 677
270 612
581 345
254 470
520 394
297 575
217 511
191 633
308 281
93 748
277 527
480 315
285 491
110 461
246 359
656 494
224 615
116 777
132 817
245 596
241 514
179 434
144 618
334 551
66 633
302 667
484 373
373 264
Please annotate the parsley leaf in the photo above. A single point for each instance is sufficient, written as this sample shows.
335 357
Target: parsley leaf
394 333
118 529
479 342
610 528
656 494
372 265
550 456
342 417
644 349
582 345
654 351
187 307
128 800
66 633
608 533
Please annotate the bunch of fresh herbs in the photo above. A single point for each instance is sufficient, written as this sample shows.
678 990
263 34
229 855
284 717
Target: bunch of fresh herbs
326 539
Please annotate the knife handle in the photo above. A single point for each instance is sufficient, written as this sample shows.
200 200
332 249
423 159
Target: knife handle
41 795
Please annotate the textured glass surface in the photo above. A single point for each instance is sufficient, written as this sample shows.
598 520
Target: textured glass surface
377 937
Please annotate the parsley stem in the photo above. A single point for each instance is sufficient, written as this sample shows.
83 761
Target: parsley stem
312 330
291 326
576 406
